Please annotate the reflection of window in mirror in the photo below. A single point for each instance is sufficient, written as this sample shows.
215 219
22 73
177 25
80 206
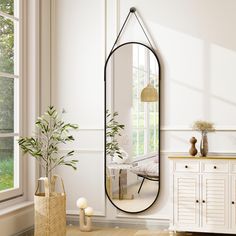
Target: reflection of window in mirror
144 114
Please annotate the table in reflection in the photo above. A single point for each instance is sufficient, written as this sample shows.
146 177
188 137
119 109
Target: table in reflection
122 180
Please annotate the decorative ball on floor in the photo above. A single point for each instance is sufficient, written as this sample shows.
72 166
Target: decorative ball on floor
82 203
85 215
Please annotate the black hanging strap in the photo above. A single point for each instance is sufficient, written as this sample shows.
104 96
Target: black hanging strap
143 30
132 10
127 17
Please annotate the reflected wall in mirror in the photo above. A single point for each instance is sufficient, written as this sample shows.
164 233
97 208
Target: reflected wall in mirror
132 127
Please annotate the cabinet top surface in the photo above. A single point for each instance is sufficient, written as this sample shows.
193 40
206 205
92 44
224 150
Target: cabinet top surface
204 158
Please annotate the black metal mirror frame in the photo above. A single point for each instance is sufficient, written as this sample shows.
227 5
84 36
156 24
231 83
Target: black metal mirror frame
159 108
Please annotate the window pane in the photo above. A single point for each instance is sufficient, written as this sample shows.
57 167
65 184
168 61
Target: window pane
153 117
154 80
144 115
135 85
142 80
135 55
138 119
6 45
141 119
153 143
142 57
134 119
153 64
6 163
6 105
7 6
138 142
134 143
141 142
152 120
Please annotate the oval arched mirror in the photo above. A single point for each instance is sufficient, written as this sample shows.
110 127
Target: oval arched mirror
132 120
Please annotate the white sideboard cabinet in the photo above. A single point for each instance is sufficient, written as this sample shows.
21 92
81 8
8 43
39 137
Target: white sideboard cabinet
203 194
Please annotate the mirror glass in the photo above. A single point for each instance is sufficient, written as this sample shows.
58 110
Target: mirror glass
132 75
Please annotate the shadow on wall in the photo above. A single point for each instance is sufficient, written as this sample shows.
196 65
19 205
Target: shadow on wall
212 20
199 54
196 39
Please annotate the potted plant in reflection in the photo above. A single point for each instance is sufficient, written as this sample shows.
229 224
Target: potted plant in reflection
204 127
113 130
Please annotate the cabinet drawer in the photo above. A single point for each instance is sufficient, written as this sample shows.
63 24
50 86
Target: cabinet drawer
215 167
186 166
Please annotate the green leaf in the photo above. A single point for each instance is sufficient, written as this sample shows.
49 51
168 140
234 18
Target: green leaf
52 132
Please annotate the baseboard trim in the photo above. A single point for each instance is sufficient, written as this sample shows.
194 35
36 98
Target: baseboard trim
119 223
124 223
26 232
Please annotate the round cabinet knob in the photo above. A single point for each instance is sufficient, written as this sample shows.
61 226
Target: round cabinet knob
215 167
203 201
233 202
197 201
186 166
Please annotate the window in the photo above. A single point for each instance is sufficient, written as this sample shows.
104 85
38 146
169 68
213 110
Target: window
10 84
144 115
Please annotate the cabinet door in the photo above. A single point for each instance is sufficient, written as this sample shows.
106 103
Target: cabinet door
186 200
233 202
215 201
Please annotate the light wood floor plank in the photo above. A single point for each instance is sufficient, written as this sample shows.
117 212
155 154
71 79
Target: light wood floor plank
74 231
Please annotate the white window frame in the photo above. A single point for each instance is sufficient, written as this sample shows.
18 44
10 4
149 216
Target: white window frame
146 130
19 100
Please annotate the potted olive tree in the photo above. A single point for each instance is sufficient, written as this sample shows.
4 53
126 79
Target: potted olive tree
44 145
50 206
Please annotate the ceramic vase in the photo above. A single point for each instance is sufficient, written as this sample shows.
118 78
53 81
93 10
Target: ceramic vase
204 145
193 150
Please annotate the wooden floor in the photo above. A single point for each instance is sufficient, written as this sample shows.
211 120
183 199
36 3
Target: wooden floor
74 231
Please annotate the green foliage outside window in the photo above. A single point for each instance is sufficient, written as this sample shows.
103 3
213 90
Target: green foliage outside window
7 6
6 95
7 66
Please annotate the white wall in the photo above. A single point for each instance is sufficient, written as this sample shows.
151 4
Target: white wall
195 41
77 87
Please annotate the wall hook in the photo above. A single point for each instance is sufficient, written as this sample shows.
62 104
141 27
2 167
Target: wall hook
132 9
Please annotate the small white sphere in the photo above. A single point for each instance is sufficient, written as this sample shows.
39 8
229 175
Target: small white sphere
82 203
88 211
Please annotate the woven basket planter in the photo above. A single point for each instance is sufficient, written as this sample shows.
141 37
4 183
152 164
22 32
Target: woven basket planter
50 210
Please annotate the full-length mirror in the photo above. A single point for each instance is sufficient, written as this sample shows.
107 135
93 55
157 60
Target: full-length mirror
132 76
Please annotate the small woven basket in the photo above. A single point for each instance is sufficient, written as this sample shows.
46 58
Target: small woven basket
50 210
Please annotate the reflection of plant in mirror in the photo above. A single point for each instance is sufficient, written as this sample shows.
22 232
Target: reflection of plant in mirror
113 129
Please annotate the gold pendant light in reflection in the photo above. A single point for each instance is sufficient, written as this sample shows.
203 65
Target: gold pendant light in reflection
149 94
